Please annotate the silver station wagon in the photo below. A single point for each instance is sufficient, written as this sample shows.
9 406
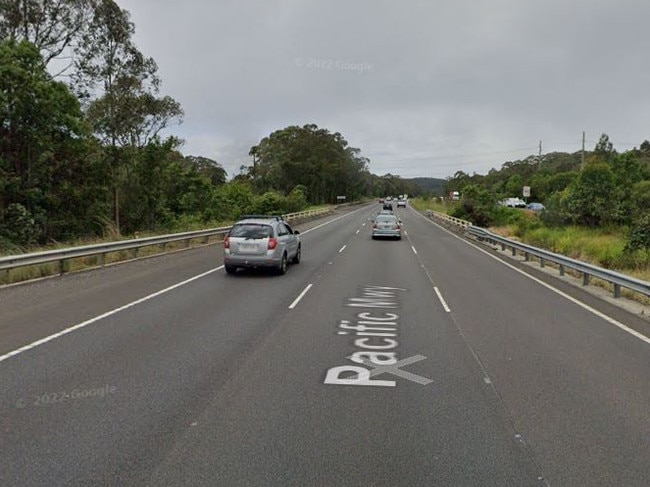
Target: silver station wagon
261 241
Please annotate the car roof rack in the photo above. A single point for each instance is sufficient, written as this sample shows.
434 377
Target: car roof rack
262 217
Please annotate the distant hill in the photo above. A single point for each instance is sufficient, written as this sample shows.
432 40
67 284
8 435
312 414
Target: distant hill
433 185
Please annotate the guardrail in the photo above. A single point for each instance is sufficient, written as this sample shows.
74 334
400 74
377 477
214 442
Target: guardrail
588 271
450 219
616 279
61 256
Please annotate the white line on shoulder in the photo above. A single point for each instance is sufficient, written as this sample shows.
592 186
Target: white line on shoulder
103 315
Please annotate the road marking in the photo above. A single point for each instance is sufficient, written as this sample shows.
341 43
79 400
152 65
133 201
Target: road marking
395 369
584 306
300 296
104 315
406 233
414 251
342 248
331 221
358 231
442 300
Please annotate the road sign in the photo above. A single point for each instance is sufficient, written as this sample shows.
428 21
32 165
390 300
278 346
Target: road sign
526 192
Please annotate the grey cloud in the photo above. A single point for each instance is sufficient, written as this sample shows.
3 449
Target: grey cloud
422 87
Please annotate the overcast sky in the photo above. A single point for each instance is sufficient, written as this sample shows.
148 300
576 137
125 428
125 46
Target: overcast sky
422 87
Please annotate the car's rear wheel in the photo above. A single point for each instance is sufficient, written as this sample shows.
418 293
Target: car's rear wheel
230 269
282 268
296 259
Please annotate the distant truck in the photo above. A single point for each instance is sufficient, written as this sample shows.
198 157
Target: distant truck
454 195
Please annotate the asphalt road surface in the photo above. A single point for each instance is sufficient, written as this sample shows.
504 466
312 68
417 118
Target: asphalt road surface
420 362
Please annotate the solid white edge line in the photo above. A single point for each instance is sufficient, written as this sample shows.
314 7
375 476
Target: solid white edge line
584 306
414 251
104 315
342 248
300 296
442 300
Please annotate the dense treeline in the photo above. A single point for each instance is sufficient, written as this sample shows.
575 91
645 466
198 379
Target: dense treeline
81 150
320 162
606 189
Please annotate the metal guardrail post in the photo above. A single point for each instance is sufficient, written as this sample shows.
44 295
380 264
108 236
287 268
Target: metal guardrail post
585 279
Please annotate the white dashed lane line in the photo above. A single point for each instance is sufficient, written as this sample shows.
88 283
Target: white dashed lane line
342 249
442 300
300 296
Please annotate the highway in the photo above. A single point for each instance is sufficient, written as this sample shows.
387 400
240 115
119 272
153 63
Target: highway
428 361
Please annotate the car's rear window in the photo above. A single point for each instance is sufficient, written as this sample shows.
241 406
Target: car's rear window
251 230
386 219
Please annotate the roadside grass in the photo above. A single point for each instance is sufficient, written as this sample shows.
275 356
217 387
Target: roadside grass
604 247
423 204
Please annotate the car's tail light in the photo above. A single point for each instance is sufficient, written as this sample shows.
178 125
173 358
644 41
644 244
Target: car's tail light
226 243
374 225
273 243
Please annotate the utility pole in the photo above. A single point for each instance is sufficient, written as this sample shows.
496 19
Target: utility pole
540 149
582 165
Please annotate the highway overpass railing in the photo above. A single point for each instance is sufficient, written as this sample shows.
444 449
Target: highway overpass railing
617 280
